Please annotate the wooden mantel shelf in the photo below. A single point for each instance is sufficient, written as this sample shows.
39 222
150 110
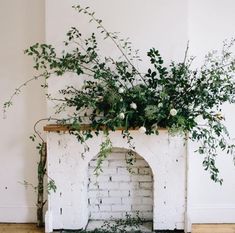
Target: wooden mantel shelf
65 128
56 128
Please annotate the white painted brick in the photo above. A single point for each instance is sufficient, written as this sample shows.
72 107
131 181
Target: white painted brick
121 178
109 171
145 171
117 163
118 150
141 178
147 200
133 170
93 186
122 193
98 194
140 163
121 207
111 200
141 193
142 207
132 200
124 186
124 171
93 200
129 185
108 185
117 156
146 185
105 207
100 178
146 215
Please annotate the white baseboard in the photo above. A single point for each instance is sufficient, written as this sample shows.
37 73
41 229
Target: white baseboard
212 214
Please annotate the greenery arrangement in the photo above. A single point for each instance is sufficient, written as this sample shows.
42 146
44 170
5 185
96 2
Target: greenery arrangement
117 95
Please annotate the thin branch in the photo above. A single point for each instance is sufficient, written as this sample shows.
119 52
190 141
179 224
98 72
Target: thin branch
108 34
186 52
17 91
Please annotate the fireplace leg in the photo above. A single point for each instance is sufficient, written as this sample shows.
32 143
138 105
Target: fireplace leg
48 222
188 224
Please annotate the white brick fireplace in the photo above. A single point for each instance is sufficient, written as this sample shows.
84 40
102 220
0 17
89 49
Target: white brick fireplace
157 187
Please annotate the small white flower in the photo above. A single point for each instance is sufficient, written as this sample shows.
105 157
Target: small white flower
121 100
160 105
142 129
122 115
133 105
121 90
173 112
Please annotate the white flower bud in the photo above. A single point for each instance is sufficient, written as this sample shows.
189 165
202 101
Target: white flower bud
173 112
142 129
122 115
160 105
121 90
133 105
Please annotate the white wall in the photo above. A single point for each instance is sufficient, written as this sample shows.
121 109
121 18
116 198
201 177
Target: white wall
209 23
21 24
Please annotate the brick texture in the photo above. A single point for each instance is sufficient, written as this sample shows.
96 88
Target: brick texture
117 192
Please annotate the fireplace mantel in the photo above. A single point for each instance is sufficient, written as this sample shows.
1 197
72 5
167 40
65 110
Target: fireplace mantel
67 127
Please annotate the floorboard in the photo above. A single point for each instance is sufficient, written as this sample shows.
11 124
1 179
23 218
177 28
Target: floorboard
196 228
20 228
213 228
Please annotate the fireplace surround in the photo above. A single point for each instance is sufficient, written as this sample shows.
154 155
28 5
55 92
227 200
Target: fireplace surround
68 207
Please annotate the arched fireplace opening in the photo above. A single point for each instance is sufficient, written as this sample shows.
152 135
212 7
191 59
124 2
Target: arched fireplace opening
118 192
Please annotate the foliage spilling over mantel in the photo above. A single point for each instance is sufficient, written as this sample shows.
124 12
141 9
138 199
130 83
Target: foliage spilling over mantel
116 94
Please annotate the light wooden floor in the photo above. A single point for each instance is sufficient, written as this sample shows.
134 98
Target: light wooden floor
213 228
19 228
199 228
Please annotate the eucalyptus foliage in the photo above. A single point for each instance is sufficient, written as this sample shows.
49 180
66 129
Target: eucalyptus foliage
117 95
